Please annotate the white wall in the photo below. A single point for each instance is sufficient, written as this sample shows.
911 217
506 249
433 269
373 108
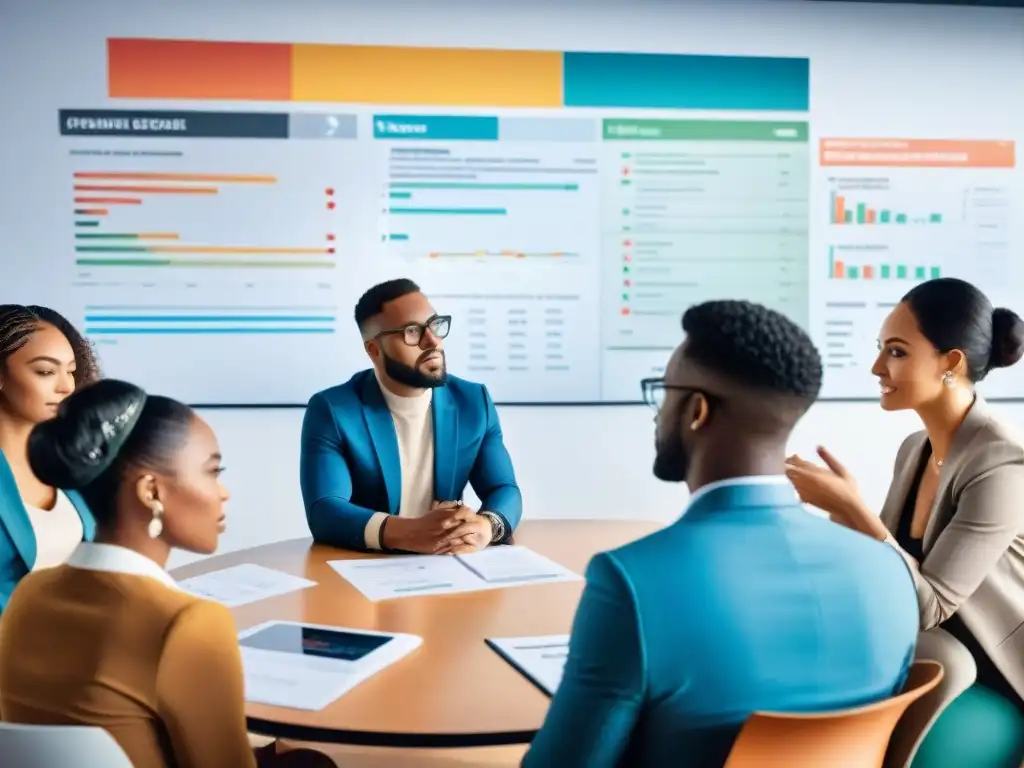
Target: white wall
571 462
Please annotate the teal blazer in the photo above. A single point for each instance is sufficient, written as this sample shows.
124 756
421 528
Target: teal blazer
349 466
17 539
746 603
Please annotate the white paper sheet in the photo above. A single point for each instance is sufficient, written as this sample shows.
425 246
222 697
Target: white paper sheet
242 584
382 578
385 578
513 565
307 666
541 659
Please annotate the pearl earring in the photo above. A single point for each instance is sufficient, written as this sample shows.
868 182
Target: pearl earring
156 525
694 426
948 379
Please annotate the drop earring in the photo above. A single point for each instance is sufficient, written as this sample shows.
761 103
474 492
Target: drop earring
948 379
156 525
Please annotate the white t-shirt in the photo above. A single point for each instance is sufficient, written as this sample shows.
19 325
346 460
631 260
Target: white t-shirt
58 532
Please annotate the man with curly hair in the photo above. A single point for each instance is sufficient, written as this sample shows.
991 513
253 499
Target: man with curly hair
748 602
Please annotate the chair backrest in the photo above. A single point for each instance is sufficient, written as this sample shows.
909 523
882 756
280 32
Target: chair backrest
959 672
59 746
849 738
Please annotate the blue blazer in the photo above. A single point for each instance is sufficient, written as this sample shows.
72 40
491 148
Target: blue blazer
747 603
349 466
17 539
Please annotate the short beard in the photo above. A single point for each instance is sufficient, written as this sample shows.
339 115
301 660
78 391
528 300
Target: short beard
411 376
671 462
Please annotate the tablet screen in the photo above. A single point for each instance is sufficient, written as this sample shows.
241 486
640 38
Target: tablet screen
314 641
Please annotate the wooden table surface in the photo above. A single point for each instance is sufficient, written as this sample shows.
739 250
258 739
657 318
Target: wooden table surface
453 691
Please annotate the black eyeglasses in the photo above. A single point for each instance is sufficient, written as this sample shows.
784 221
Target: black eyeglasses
412 334
654 392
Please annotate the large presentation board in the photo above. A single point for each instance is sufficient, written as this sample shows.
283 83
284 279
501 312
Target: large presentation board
214 208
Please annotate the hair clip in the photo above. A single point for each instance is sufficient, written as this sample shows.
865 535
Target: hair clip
110 429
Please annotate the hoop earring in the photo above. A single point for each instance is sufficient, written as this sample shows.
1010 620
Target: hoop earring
156 525
948 379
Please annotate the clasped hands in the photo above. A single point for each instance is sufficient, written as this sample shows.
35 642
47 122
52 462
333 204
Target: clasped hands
833 489
449 528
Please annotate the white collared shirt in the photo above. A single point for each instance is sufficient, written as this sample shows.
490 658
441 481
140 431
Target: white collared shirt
112 558
749 480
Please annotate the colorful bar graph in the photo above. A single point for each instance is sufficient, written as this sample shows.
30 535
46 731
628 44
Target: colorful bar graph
838 269
863 214
143 68
91 211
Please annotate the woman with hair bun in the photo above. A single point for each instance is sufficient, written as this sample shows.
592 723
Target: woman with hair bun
955 508
43 359
108 639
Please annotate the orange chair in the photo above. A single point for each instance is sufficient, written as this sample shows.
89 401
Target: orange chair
849 738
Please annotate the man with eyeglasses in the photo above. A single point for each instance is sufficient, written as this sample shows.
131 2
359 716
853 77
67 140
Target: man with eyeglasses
386 456
747 602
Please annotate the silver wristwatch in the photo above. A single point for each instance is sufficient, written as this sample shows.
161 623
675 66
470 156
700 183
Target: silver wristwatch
497 526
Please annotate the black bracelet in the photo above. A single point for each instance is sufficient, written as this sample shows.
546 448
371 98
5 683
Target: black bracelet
380 534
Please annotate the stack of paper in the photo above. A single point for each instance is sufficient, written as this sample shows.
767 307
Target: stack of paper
540 659
242 584
307 666
385 578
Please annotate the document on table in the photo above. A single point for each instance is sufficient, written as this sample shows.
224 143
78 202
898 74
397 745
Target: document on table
541 660
242 584
386 578
512 565
307 666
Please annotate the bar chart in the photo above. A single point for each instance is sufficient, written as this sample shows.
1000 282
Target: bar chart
109 202
213 252
863 213
855 262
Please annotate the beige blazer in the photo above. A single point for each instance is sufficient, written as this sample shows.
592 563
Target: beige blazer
974 541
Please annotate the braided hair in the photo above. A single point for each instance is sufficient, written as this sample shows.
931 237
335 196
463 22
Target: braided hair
18 323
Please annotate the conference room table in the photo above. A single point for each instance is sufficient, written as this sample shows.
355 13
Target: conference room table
454 691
